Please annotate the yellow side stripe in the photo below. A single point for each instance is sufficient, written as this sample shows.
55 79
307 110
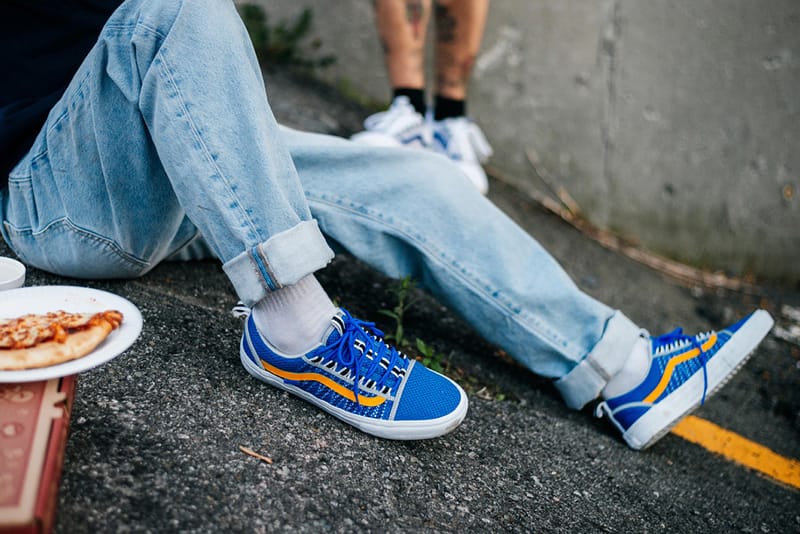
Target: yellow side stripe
665 378
313 377
739 449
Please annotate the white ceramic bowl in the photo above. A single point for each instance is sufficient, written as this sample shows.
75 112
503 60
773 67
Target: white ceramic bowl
12 274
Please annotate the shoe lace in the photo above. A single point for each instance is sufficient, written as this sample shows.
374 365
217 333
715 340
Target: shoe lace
672 340
353 347
398 118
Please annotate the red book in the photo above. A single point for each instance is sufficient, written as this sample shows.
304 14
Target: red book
34 418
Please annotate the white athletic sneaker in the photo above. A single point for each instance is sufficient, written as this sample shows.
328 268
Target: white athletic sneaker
400 125
462 141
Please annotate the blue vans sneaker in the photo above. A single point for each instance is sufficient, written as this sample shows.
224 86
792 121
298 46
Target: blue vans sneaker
684 372
355 376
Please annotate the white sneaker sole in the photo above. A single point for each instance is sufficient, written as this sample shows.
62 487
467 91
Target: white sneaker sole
397 430
666 414
475 174
378 139
375 139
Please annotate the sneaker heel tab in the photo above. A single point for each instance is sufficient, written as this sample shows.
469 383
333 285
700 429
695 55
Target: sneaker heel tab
241 311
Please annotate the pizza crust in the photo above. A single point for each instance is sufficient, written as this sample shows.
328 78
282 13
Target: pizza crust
52 352
76 344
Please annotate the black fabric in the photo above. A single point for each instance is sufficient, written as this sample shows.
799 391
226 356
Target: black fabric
415 96
448 108
42 44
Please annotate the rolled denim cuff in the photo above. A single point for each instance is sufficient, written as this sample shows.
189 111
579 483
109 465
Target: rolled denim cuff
587 379
280 261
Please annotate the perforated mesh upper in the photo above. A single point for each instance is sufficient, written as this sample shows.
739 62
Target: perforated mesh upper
427 395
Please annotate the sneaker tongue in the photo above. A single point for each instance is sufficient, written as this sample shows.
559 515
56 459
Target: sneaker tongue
335 332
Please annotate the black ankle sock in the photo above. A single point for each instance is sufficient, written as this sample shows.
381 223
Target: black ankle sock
447 108
416 96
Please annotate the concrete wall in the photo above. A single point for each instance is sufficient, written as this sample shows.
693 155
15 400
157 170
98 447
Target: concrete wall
674 123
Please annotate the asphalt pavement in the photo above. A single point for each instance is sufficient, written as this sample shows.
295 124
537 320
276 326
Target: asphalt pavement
155 436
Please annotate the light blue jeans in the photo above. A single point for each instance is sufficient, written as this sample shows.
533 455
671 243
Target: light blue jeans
165 135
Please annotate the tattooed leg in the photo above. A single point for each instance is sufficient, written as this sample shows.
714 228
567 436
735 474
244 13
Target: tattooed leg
459 30
402 25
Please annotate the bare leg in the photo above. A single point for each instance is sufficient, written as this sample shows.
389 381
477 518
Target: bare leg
402 25
459 30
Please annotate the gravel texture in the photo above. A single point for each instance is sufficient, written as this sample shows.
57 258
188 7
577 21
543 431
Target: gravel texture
155 435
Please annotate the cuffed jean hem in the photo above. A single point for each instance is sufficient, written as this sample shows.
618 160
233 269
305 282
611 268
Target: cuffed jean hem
280 261
587 379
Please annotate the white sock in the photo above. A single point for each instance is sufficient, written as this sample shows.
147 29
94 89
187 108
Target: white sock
633 371
294 318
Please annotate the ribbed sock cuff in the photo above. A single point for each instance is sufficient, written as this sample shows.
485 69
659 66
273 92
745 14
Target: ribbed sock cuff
294 318
415 96
448 108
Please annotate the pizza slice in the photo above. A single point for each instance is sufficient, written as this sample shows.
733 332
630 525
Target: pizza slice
41 340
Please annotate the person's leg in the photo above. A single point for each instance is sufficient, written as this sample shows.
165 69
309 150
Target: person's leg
459 31
393 216
156 137
406 215
402 26
166 131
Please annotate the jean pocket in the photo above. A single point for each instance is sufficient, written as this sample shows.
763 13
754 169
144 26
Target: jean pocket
63 248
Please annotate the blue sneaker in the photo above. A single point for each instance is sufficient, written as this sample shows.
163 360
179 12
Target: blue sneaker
684 372
358 378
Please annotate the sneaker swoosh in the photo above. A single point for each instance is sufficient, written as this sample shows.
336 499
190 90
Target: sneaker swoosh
673 363
327 382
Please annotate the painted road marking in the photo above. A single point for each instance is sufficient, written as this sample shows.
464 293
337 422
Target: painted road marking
740 450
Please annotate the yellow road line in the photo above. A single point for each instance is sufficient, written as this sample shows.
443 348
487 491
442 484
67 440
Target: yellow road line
740 450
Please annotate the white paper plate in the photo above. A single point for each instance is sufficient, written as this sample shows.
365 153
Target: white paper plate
43 299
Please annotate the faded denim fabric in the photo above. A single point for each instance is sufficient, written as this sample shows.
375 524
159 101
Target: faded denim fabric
164 147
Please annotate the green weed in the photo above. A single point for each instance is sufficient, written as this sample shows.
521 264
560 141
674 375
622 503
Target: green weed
354 93
282 43
402 290
432 359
